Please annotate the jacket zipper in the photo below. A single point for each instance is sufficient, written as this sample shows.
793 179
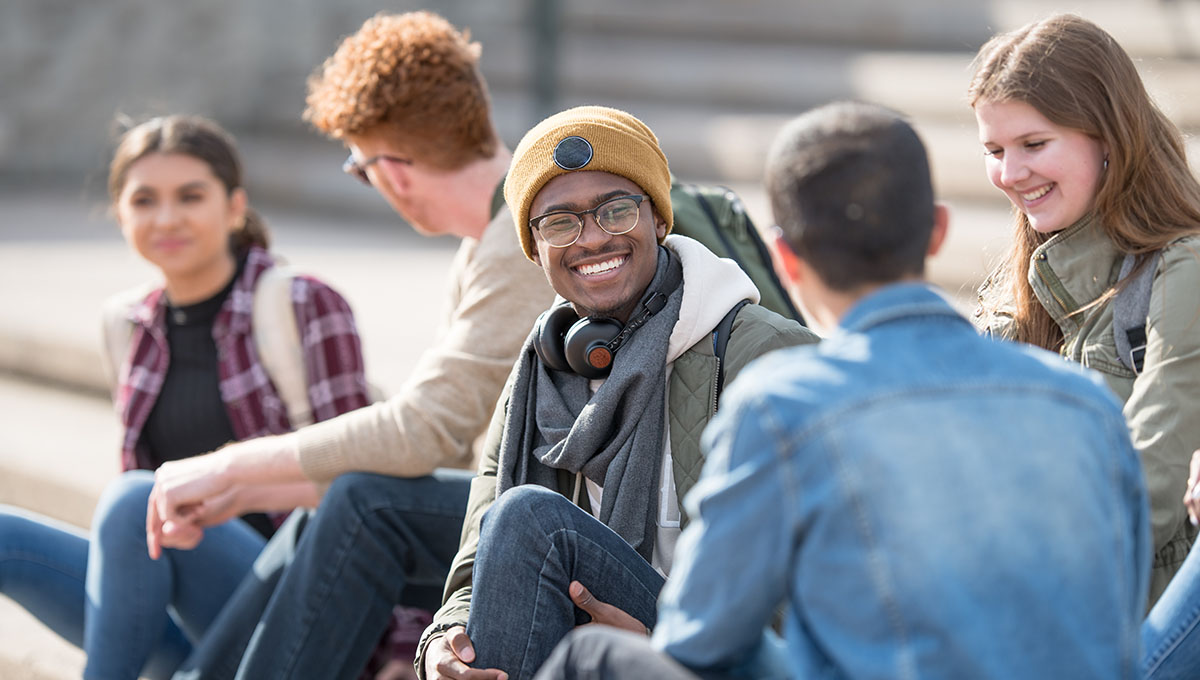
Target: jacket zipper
712 411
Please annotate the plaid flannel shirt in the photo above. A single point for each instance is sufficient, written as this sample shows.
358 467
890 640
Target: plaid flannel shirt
332 352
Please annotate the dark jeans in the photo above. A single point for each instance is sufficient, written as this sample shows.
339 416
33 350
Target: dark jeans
321 594
533 543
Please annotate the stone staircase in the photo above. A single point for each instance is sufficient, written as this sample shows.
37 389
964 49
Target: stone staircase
716 79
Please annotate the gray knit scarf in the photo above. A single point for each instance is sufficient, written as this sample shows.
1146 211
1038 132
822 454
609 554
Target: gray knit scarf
615 437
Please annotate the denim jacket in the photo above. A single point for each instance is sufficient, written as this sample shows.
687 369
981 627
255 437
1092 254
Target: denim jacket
927 503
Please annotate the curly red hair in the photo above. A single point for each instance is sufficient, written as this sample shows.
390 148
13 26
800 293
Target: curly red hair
414 77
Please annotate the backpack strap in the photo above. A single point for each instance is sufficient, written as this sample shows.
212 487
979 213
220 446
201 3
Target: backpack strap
1131 306
273 324
720 337
118 331
277 341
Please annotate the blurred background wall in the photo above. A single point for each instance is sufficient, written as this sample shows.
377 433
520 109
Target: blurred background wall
714 78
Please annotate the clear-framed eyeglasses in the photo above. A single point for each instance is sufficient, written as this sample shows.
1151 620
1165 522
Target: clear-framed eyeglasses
358 170
616 216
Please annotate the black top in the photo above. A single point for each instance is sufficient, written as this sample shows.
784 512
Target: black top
189 416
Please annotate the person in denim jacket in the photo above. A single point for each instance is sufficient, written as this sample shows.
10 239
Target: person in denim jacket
924 501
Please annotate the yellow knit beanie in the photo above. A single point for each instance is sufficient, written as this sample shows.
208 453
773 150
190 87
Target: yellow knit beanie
586 138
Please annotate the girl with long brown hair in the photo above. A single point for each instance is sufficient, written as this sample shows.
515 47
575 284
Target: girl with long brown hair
1103 197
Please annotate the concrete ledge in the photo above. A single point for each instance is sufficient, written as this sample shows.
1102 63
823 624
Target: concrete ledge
59 453
56 455
31 651
57 362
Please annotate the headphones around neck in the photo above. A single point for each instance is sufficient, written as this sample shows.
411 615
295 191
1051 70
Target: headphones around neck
565 342
587 346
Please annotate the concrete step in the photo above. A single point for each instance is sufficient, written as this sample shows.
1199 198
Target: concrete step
58 452
772 77
1145 28
919 24
1151 28
30 651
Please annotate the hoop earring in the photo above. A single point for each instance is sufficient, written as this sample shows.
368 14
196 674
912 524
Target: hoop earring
1106 161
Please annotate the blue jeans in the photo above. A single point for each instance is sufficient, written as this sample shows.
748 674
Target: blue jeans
1171 632
321 594
533 542
1170 642
140 613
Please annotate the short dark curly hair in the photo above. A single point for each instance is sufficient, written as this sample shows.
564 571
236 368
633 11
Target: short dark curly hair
412 76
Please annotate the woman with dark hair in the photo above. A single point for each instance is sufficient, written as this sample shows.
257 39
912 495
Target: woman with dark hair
189 377
1104 205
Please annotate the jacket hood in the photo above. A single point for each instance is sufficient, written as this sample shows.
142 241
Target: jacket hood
711 287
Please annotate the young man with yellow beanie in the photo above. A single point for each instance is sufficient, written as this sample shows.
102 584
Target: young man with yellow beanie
575 511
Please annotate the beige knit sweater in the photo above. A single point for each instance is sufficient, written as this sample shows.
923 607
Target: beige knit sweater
496 295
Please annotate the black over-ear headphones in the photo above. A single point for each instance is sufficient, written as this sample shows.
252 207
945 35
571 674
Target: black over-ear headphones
587 346
565 342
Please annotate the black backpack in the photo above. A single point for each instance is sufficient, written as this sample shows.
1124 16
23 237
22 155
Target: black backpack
715 216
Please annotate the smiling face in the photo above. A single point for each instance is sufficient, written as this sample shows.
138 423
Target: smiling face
600 274
1049 172
178 216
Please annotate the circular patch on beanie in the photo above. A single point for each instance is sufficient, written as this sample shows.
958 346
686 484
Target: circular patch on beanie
573 153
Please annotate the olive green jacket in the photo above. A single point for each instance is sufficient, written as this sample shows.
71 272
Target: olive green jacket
691 402
1162 405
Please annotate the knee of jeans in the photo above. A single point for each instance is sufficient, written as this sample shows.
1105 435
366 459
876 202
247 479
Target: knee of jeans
358 493
121 511
522 507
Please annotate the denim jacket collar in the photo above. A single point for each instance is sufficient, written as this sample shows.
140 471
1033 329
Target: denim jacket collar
894 302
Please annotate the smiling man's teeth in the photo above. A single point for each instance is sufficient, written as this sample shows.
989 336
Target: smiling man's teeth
601 267
1035 195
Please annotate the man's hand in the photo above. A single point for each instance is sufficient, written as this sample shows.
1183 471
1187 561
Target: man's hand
176 512
1191 497
182 534
447 656
603 614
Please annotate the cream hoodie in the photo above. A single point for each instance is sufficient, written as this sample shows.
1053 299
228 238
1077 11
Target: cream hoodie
711 287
